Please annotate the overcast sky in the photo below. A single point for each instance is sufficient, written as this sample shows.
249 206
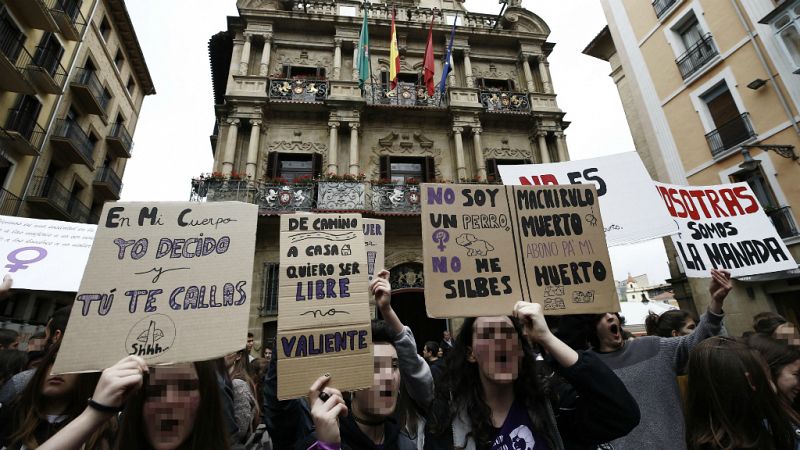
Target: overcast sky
172 137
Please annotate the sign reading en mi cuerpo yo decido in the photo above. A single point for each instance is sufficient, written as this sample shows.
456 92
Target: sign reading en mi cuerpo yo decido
486 247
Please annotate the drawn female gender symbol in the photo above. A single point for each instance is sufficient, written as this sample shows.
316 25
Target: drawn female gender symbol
441 236
17 264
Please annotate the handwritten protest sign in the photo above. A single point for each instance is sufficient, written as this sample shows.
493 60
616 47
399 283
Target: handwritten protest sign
45 255
169 282
486 247
374 242
723 227
324 318
622 184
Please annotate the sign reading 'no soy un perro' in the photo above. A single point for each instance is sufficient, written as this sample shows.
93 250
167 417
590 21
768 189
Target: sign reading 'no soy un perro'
486 247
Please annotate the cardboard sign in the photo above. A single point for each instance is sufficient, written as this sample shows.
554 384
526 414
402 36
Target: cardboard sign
631 210
374 242
723 227
323 308
44 255
169 282
486 247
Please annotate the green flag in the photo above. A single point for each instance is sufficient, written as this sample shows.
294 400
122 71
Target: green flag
363 64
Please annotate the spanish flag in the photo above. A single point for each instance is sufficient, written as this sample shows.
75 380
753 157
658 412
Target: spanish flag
394 55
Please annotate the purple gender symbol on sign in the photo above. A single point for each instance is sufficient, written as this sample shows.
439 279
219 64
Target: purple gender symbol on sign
441 236
17 264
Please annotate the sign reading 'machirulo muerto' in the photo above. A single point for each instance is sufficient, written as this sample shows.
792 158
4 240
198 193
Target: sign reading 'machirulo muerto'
169 282
324 318
486 247
724 227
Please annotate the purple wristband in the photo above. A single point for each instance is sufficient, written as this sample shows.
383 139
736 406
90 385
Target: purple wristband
319 445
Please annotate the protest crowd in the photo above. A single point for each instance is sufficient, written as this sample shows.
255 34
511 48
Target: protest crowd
521 381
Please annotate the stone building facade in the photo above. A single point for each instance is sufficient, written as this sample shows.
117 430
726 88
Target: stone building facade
295 132
72 82
711 91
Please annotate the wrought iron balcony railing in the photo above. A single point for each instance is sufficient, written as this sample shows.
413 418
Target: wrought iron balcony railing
120 135
69 129
24 123
505 101
49 60
8 203
107 175
396 198
60 198
730 134
405 94
783 221
273 198
298 90
12 45
662 6
697 56
88 78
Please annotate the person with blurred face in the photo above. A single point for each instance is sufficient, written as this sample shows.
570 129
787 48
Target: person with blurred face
249 347
268 354
447 342
493 396
9 339
649 366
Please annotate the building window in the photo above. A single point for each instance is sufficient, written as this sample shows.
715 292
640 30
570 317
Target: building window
788 30
404 170
13 38
493 173
291 166
131 86
269 299
731 127
316 73
781 216
495 84
105 29
698 46
48 53
119 59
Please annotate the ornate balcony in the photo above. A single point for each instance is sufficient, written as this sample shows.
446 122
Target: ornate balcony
298 90
783 221
119 141
730 134
341 196
89 92
277 198
395 198
220 190
67 14
107 184
46 71
21 133
406 94
73 143
662 6
14 62
697 56
52 197
505 101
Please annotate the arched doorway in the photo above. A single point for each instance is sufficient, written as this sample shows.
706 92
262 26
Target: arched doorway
408 301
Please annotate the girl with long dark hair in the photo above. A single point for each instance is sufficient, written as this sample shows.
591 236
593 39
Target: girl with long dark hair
669 324
732 403
494 393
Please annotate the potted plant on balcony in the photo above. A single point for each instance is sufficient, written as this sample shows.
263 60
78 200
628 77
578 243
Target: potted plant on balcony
341 192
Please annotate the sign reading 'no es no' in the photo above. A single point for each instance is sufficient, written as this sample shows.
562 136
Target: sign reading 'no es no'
486 247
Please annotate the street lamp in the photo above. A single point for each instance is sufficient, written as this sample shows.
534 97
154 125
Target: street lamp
784 151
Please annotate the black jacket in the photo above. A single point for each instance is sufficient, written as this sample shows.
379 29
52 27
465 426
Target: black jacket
354 439
591 407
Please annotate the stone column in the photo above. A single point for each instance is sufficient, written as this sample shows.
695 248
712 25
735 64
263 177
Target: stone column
461 167
252 149
337 58
561 144
230 146
244 61
219 149
354 166
480 163
468 69
333 148
238 46
452 77
543 152
526 67
544 72
265 56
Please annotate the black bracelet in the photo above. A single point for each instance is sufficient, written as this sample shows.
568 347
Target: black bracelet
103 408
